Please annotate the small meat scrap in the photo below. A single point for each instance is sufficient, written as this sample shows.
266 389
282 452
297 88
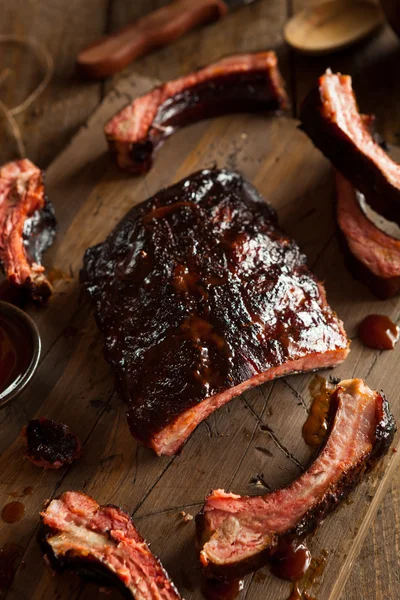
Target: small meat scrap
27 227
49 444
102 544
235 84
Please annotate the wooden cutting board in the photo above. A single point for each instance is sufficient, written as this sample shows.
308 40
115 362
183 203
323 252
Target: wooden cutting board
230 450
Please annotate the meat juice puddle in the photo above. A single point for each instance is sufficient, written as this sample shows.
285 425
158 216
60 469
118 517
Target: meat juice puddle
16 352
378 332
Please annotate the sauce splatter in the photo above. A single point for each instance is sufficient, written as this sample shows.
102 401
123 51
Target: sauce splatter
28 491
217 590
316 426
16 352
9 556
378 332
291 560
13 512
295 593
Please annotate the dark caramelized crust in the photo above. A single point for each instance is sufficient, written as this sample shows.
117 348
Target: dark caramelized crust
238 534
27 227
200 296
330 117
373 255
102 544
50 445
238 83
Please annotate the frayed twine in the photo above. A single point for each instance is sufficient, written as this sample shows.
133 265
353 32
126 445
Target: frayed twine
46 60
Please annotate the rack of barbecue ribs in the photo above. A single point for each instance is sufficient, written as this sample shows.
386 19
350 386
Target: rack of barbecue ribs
238 83
27 227
239 534
102 544
331 118
200 296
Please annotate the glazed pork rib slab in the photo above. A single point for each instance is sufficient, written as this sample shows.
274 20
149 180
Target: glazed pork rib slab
101 543
330 117
27 227
200 296
238 534
374 256
238 83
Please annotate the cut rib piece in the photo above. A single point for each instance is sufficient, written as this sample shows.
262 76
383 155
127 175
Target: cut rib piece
102 544
27 227
200 296
238 534
331 119
374 255
50 445
238 83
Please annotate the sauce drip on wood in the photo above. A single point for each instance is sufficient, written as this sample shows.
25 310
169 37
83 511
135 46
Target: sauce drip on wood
379 332
316 426
13 512
291 560
221 590
16 352
296 594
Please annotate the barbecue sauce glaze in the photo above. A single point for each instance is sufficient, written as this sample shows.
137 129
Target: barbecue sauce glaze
316 426
291 560
379 332
16 352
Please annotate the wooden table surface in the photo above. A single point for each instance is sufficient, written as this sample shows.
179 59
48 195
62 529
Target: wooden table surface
64 26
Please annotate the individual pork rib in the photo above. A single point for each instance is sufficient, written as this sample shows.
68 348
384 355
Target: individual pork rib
239 83
50 445
374 256
200 296
238 534
102 544
27 227
331 119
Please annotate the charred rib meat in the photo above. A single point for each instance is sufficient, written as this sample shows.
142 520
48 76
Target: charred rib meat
50 445
330 117
374 255
238 534
200 296
239 83
27 227
102 544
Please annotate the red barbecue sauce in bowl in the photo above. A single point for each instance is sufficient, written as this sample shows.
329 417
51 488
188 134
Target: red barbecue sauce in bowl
19 351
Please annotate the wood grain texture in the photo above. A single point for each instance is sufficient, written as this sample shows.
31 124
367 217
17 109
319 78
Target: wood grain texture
74 384
64 27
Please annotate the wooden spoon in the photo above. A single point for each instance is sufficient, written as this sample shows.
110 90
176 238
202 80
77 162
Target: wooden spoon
332 26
